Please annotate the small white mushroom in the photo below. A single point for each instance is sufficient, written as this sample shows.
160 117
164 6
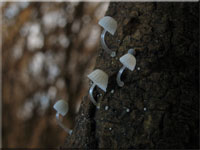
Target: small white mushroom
62 108
106 107
99 78
110 25
112 91
128 61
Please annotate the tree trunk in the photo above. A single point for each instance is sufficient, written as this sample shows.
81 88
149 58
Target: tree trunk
161 93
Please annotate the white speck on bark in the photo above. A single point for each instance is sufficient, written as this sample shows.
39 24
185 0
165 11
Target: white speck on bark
127 110
112 91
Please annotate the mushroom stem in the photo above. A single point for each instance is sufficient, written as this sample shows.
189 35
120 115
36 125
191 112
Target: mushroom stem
91 95
105 47
69 131
119 82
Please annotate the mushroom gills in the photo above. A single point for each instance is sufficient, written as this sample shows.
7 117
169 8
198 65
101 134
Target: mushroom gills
100 78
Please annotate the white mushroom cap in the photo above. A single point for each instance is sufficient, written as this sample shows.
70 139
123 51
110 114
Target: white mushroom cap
129 61
61 107
100 78
109 24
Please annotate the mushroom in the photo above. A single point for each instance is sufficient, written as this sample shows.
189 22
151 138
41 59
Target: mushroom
99 78
62 108
128 61
110 25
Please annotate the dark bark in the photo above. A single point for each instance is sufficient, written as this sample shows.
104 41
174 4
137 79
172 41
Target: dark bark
166 36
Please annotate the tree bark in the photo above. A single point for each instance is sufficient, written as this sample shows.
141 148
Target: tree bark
161 93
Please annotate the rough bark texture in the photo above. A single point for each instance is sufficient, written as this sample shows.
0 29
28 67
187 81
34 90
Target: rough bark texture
165 81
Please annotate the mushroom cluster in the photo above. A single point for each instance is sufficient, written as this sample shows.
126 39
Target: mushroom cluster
98 77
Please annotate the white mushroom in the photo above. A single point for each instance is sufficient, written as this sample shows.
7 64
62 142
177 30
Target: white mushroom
110 25
128 61
99 78
62 108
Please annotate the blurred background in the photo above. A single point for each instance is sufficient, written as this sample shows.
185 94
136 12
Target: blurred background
48 48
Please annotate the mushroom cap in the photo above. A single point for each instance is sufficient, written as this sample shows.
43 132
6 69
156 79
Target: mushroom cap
100 78
132 51
129 61
109 24
61 107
